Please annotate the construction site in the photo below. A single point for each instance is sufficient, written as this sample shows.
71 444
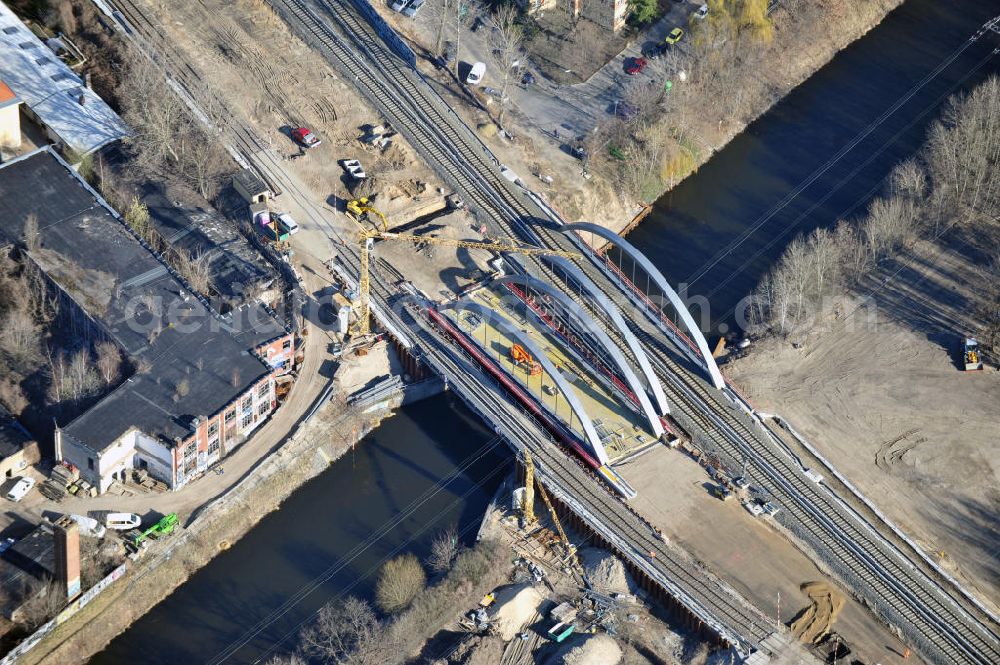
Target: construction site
656 513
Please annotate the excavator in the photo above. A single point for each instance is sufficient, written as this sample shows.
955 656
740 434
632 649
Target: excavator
362 209
971 355
522 358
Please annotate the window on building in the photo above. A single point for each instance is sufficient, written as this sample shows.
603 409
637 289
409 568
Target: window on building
248 405
286 345
263 391
10 29
213 448
190 451
247 420
230 417
213 430
90 463
28 45
263 408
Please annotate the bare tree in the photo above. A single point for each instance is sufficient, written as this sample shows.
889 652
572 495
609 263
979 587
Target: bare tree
109 361
345 632
506 42
43 600
151 110
195 267
399 581
444 548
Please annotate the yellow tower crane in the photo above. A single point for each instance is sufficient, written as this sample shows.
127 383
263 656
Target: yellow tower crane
362 208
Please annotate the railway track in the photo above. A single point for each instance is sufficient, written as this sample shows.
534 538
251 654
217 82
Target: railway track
899 591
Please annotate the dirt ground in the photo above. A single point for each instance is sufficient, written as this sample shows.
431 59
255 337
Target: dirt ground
890 408
277 89
749 553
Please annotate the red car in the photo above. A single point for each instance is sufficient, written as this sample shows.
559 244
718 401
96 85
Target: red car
636 66
305 137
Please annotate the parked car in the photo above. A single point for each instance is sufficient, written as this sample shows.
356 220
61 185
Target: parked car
412 9
449 54
634 66
6 544
753 508
675 36
289 223
122 521
702 12
89 526
478 23
20 488
305 137
398 5
652 51
528 78
626 111
476 74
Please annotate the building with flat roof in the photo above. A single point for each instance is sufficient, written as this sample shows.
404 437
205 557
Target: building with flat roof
205 381
74 117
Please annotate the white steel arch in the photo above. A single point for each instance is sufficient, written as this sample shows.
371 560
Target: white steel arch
587 323
497 320
661 283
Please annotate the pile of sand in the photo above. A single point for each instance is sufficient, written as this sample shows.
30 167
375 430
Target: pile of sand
815 621
597 649
605 571
515 606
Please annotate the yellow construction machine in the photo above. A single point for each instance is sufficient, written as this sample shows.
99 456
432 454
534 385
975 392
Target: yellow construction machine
361 209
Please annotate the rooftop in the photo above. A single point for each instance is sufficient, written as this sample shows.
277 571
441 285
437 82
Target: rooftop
198 361
13 437
53 92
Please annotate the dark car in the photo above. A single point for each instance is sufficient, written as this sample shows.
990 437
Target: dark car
528 78
625 111
478 23
654 50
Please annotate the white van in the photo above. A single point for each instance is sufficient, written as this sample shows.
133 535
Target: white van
289 223
20 488
476 74
122 521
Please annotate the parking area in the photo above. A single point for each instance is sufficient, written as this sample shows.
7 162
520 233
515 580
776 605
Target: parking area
561 110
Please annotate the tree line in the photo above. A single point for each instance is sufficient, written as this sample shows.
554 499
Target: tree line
954 180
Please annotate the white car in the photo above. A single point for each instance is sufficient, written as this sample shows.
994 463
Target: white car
122 521
354 168
289 223
476 74
20 488
398 5
702 12
412 9
89 526
753 508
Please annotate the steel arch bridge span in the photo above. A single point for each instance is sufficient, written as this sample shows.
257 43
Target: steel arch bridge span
498 321
587 323
661 283
611 310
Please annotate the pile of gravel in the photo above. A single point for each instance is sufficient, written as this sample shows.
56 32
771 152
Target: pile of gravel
597 649
606 572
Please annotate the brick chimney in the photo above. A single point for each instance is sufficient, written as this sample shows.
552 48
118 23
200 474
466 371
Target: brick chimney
67 549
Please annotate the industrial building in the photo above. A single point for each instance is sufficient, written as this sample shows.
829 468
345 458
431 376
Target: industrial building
73 117
18 450
200 382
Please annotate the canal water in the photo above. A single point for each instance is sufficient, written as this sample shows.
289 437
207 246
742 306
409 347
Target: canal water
431 465
818 156
717 232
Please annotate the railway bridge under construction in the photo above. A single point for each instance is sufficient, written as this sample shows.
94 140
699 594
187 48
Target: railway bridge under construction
664 376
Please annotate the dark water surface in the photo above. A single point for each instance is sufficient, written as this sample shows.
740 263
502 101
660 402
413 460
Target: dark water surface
391 472
720 230
714 232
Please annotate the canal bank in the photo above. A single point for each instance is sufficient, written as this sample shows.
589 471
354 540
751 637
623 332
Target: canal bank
819 155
